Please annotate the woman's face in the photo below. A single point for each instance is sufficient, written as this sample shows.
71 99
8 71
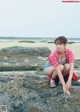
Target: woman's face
60 46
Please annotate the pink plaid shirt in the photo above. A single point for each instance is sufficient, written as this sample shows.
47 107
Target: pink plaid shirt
53 57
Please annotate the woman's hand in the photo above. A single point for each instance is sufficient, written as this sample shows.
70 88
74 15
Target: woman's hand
66 91
68 85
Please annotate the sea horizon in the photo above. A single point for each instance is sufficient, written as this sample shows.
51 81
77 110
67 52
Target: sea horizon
12 37
35 39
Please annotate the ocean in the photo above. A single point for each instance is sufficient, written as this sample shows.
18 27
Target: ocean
35 39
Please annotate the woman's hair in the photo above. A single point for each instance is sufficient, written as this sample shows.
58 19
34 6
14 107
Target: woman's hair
61 40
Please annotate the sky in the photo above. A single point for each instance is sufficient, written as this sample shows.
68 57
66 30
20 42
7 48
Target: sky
39 18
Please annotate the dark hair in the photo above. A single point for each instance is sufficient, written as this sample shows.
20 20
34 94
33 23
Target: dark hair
61 40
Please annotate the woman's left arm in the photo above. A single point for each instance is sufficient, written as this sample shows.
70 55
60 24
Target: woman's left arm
68 84
71 71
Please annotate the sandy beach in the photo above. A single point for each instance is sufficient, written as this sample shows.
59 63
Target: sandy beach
75 47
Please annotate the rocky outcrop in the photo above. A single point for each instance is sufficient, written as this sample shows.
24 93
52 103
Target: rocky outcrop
24 87
19 59
28 51
30 92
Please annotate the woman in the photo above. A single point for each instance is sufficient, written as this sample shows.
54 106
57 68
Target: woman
60 62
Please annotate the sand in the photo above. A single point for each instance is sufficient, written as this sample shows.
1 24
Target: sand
75 47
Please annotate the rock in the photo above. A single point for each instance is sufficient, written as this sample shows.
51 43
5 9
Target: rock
23 58
24 92
19 59
25 88
37 51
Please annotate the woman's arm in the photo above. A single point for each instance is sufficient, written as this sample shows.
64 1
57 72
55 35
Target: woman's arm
62 80
71 71
60 76
68 84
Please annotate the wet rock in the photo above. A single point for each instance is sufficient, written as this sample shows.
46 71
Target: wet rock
37 51
24 92
12 60
25 88
23 58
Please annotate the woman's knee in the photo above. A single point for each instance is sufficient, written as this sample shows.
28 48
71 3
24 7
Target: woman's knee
61 67
66 67
49 71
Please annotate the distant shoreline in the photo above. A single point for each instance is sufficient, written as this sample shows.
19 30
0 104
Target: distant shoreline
35 38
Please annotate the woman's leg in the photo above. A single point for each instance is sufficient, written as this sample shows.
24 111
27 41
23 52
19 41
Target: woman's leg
51 70
66 69
52 81
61 69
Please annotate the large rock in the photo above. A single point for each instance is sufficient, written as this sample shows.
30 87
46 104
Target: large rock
36 51
21 62
25 87
30 92
18 59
